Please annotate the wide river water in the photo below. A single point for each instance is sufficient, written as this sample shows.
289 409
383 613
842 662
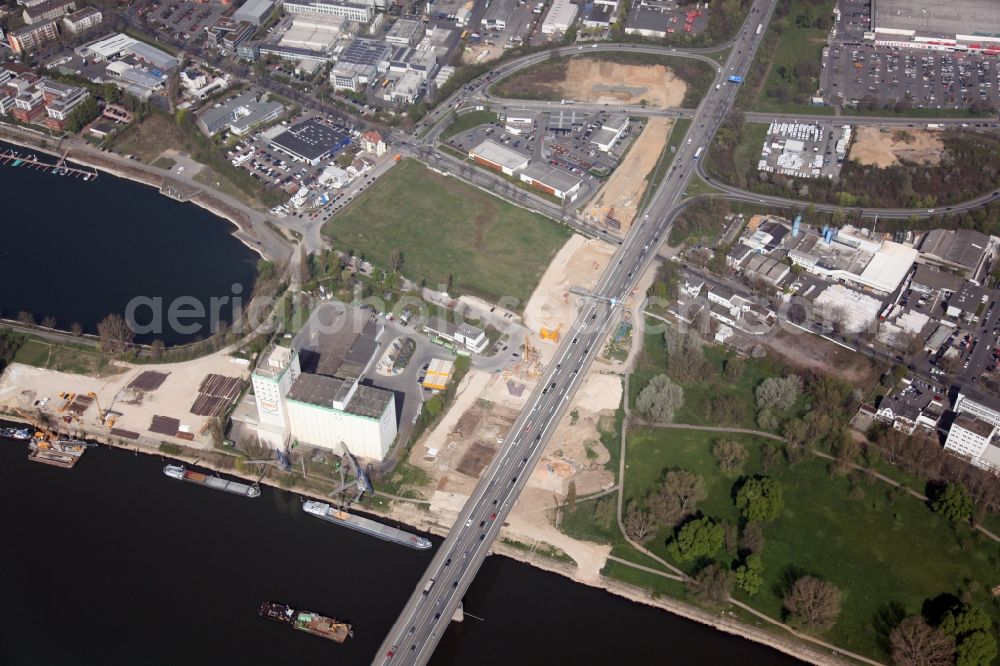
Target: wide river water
113 563
78 250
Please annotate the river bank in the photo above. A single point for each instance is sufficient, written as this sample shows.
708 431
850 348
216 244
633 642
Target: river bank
255 235
413 517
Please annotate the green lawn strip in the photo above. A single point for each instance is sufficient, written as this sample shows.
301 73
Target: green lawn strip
467 121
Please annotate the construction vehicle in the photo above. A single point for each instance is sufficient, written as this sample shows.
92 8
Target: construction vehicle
549 333
68 398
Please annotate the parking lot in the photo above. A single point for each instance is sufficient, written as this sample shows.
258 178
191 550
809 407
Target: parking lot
570 150
803 150
518 23
856 73
185 20
920 79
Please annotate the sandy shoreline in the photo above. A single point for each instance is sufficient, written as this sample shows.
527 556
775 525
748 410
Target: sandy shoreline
139 174
724 622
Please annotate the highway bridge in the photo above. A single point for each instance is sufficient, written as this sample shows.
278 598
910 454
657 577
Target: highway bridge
426 615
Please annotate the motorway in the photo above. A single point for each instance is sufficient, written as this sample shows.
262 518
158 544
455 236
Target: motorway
426 615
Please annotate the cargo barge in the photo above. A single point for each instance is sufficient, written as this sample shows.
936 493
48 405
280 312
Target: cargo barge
306 621
235 487
324 511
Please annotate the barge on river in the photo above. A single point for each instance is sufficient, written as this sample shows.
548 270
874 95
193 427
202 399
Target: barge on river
306 621
235 487
324 511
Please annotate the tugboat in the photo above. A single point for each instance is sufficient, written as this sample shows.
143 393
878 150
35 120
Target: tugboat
306 621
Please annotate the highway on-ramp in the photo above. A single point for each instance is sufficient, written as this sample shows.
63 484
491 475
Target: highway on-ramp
425 617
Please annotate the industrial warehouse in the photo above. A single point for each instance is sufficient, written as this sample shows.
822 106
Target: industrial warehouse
960 25
310 141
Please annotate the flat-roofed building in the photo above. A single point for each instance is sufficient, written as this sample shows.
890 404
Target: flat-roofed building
85 19
326 412
647 22
256 12
360 13
498 13
519 122
969 436
50 9
310 141
561 184
240 114
611 130
499 157
358 63
964 25
965 250
468 336
561 15
928 280
405 32
30 37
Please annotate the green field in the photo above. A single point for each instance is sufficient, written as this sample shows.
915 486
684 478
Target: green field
443 228
75 360
467 121
793 75
882 556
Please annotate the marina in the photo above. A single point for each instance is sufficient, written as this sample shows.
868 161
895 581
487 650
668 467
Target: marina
13 158
324 511
180 473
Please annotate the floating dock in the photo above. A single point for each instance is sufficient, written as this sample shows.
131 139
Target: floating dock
324 511
60 168
217 483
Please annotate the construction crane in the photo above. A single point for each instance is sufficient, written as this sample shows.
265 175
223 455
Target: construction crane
361 480
101 416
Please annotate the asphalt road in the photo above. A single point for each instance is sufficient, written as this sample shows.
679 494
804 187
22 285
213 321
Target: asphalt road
426 615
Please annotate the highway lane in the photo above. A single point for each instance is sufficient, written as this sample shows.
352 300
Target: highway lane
426 615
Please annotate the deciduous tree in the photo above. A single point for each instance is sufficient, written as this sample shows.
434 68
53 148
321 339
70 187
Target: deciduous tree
916 643
778 393
813 603
730 455
750 574
638 523
760 498
698 538
660 399
115 334
712 585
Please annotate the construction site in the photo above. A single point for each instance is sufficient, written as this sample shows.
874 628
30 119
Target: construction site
177 402
617 202
457 451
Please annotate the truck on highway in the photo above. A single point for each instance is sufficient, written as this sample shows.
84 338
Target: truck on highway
735 79
697 153
760 26
428 586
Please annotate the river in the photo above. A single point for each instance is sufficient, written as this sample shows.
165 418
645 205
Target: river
113 563
78 250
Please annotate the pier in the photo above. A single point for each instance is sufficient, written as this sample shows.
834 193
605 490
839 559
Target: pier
61 168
